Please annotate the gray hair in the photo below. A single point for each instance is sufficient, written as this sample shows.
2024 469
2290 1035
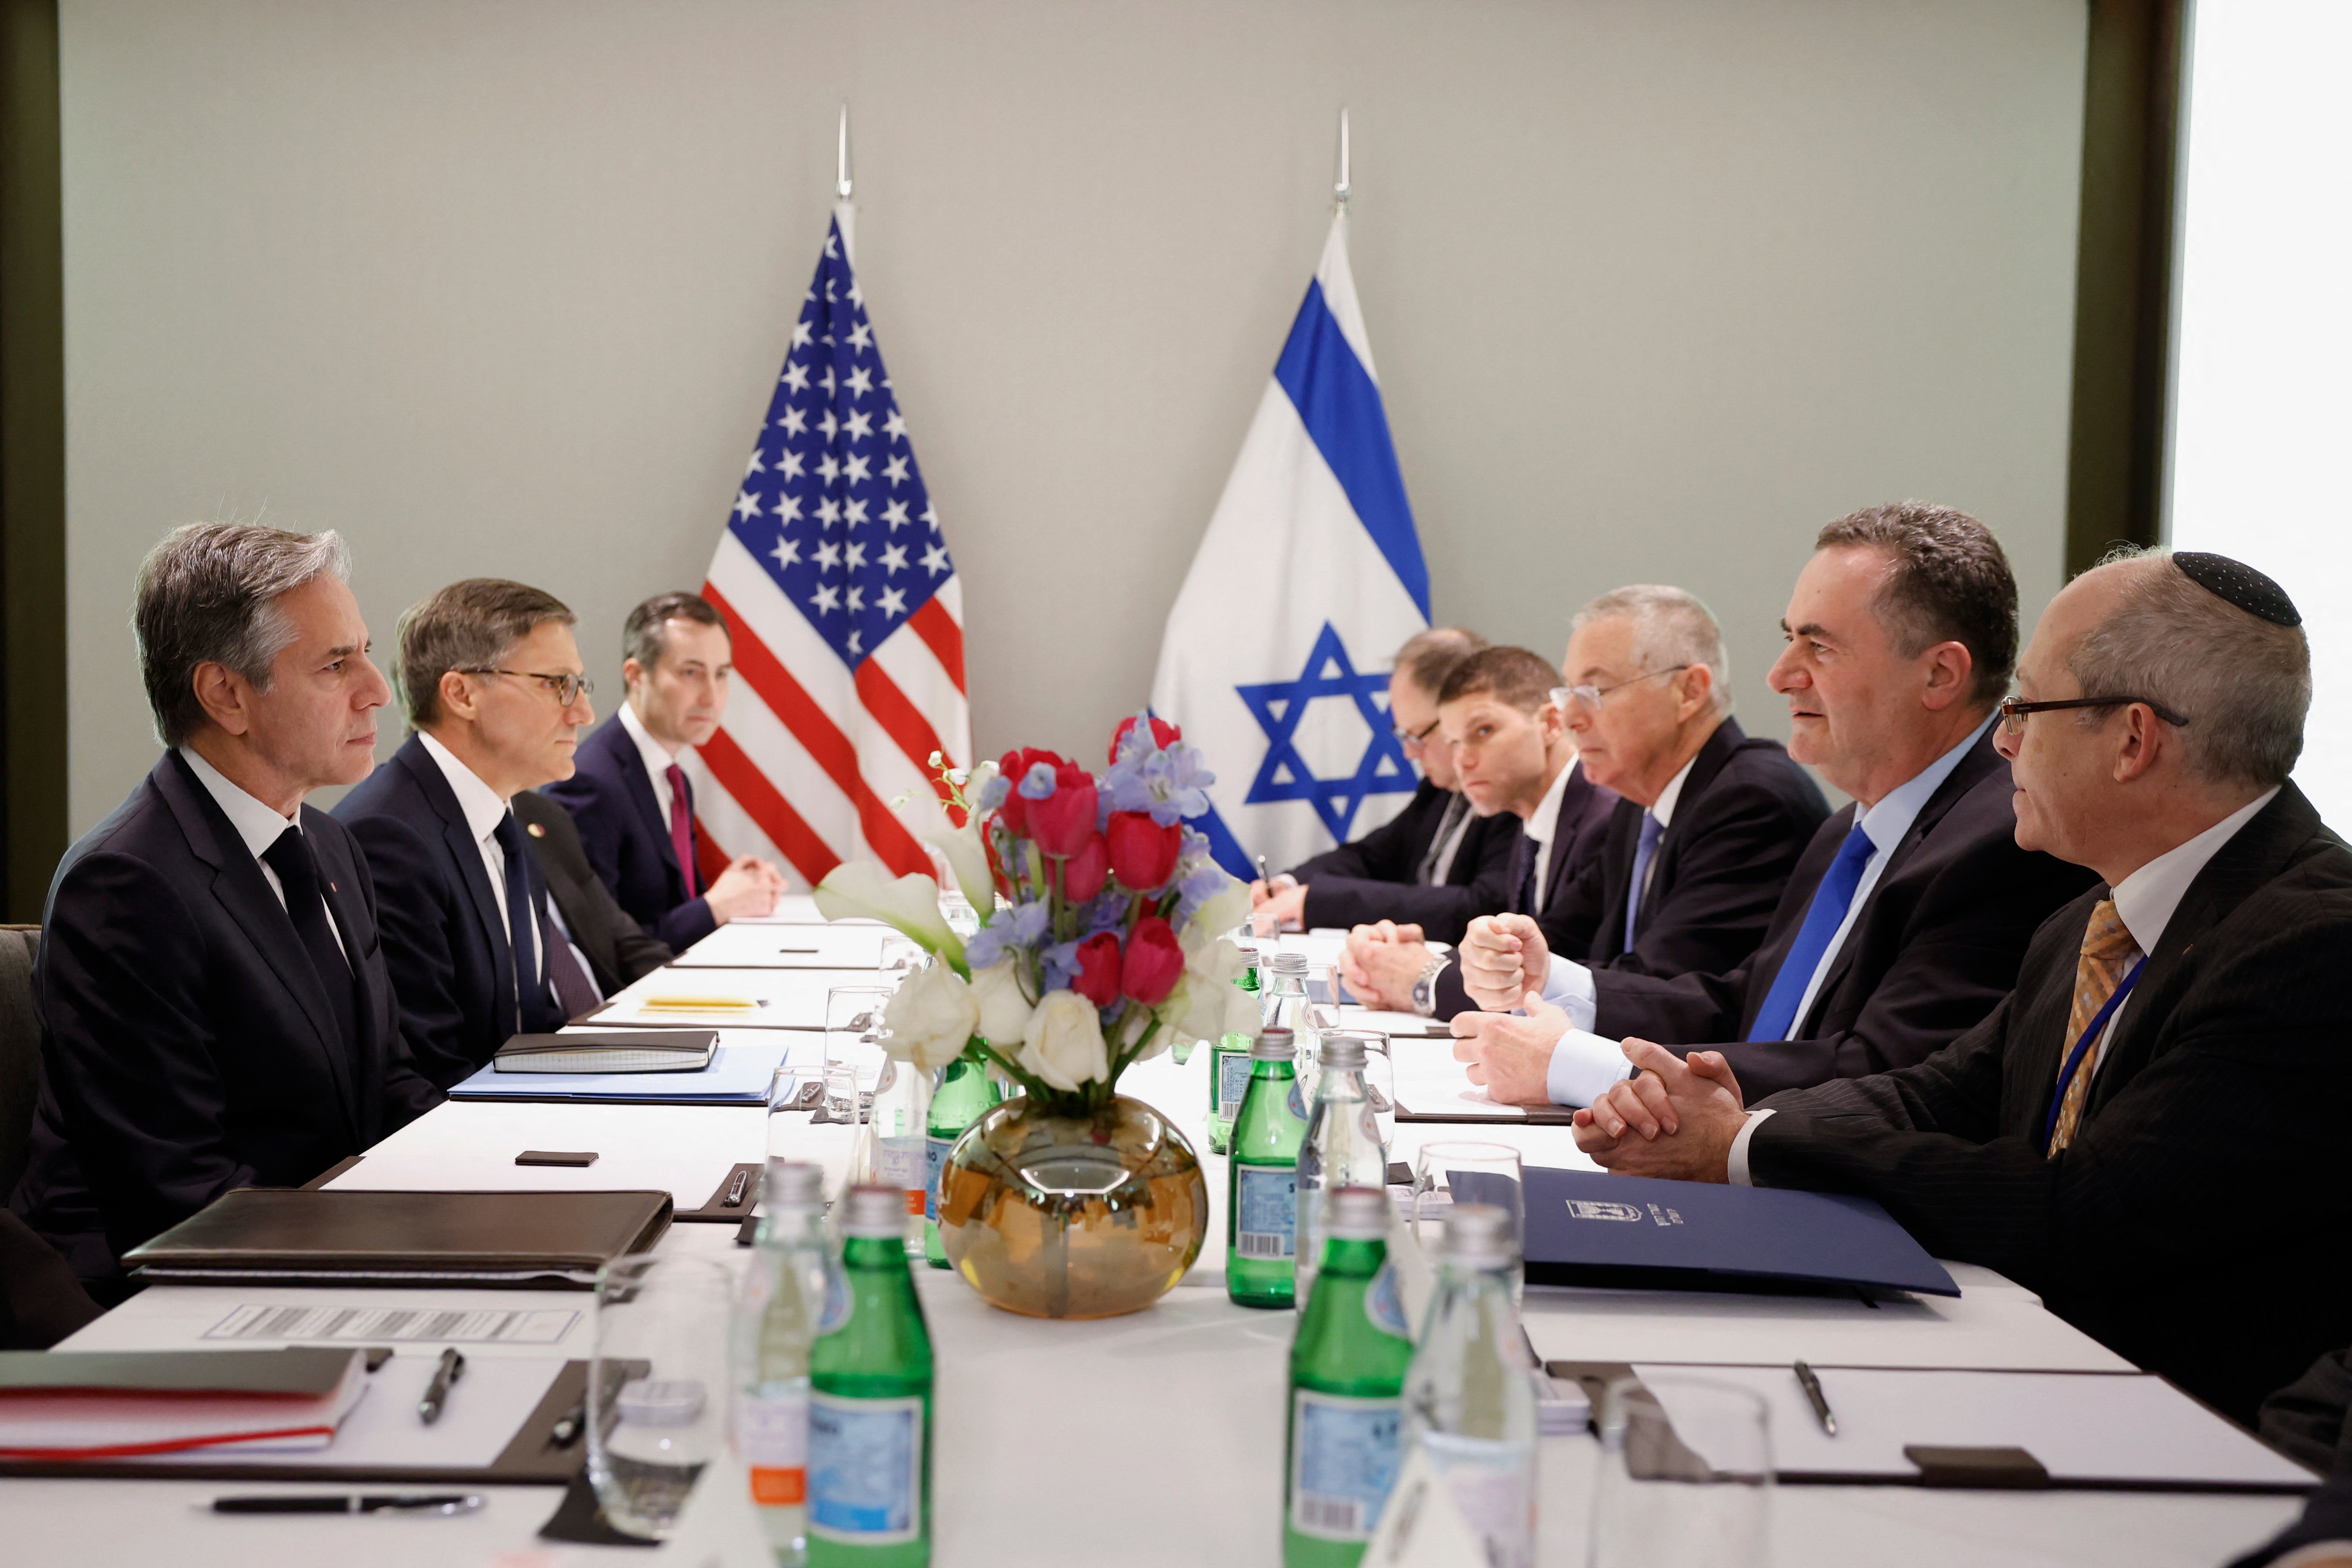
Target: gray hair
208 595
1670 627
468 625
2243 683
1428 657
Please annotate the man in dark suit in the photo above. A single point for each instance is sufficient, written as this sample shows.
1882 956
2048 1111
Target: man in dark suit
629 793
1512 754
1437 863
1712 820
2148 1130
211 983
615 949
1907 915
2306 1421
491 681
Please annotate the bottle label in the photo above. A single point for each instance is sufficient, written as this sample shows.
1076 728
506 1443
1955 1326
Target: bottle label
1343 1460
1298 1101
935 1160
1232 1081
866 1470
838 1302
899 1162
1384 1303
771 1439
1490 1481
1266 1211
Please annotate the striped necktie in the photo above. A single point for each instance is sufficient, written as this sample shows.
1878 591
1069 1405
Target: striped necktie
2108 953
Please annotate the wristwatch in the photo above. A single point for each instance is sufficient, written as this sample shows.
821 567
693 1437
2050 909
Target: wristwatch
1424 990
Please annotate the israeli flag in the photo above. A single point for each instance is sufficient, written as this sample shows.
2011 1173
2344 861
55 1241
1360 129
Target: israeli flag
1276 661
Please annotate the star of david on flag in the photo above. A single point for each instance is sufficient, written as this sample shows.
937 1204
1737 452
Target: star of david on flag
846 615
1275 660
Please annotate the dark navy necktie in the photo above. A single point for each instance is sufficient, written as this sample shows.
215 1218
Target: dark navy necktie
1524 900
1642 850
1822 918
538 1013
305 905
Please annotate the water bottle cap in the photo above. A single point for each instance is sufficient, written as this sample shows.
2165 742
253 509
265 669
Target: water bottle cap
793 1183
1359 1214
1478 1235
875 1212
1342 1051
1274 1046
1290 963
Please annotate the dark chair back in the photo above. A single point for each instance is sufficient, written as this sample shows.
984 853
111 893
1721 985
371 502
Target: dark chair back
20 1051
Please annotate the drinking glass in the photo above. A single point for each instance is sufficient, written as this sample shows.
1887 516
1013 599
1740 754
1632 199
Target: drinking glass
783 1097
854 1056
657 1387
1451 1171
901 956
1685 1475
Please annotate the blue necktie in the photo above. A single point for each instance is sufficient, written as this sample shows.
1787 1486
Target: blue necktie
1822 918
523 919
1651 829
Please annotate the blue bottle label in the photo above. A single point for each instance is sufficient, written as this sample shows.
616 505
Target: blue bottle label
838 1302
1266 1211
866 1470
1232 1081
935 1158
1384 1304
1343 1459
1298 1104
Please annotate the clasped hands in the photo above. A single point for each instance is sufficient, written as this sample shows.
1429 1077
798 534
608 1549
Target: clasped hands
1678 1120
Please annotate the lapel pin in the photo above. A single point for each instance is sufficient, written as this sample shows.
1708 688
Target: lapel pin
537 830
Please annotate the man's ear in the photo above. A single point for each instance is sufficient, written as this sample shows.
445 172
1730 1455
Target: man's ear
458 695
631 673
1949 667
1698 691
2141 743
225 696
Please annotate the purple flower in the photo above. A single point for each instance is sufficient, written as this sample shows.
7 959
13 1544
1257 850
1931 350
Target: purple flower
1021 927
992 792
1171 783
1038 783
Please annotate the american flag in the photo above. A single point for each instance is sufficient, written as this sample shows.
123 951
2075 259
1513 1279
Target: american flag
846 616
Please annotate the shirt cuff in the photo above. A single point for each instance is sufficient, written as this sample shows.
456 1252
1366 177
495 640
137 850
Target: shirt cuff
2316 1551
1582 1067
1735 1167
1569 986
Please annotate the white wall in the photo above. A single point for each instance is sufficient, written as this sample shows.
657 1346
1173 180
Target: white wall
1656 288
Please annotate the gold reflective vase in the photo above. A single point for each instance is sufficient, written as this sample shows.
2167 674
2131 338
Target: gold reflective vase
1060 1214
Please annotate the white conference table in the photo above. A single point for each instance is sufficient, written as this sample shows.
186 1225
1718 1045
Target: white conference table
1150 1440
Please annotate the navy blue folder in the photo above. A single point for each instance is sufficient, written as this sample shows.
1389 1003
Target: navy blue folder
1587 1227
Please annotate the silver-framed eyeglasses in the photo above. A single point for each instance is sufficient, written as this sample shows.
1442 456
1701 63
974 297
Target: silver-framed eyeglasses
1589 697
2013 710
1413 741
568 687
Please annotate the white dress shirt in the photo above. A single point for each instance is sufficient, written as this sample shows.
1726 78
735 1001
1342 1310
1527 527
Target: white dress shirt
2145 901
1542 828
1583 1065
485 808
257 822
656 756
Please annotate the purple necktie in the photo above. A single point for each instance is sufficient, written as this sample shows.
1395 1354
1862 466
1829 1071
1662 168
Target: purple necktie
681 826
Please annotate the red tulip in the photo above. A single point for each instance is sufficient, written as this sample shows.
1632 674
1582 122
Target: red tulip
1062 822
1142 853
1015 765
1083 873
1163 735
1098 977
1154 962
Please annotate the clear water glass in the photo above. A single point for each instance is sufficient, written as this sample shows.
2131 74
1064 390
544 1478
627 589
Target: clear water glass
1685 1475
1449 1172
783 1097
657 1385
854 1056
901 956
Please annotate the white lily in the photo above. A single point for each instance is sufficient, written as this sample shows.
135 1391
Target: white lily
1223 910
862 888
967 857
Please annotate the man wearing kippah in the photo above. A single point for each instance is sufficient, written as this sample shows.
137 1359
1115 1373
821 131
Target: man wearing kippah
2151 1130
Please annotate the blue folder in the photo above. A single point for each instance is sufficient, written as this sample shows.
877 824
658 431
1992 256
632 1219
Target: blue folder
738 1075
1587 1227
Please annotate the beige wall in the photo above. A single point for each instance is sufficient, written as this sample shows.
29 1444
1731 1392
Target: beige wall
1655 288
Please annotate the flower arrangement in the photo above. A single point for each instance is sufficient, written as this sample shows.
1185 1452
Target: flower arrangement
1109 945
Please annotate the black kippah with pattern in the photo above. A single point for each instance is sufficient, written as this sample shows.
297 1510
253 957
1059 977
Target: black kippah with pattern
2240 584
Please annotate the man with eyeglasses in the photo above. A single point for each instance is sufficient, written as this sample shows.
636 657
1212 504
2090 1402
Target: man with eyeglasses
491 681
2149 1130
1907 915
1437 863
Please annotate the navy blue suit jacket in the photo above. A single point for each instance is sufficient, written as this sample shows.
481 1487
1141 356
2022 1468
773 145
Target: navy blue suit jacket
444 938
187 1046
613 803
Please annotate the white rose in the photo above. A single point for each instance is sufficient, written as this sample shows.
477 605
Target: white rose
1223 910
1003 1010
1063 1043
931 1015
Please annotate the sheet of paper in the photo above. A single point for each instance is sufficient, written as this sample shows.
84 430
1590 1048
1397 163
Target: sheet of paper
732 998
737 945
1400 1025
258 1324
1430 1082
2082 1425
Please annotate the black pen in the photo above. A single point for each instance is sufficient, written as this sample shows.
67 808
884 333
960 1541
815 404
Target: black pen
446 1504
1812 1387
436 1392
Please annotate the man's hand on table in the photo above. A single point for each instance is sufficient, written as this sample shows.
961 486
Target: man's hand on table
749 886
1678 1120
1382 963
1503 958
1282 899
1510 1056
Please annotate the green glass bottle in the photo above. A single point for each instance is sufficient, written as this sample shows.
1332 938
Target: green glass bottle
1261 1183
1346 1376
966 1089
1229 1066
869 1460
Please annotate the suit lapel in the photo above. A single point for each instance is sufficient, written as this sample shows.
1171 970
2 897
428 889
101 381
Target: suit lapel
358 930
240 888
640 785
1712 755
468 852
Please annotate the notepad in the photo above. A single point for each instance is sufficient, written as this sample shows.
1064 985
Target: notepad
114 1405
648 1050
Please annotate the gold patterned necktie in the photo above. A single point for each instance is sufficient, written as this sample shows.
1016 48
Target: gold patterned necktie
2108 953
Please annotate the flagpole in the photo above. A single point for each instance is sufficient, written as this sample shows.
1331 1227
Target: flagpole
1339 190
844 213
